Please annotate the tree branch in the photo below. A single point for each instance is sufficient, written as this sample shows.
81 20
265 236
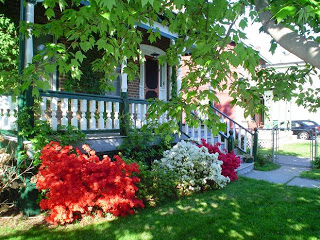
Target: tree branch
306 49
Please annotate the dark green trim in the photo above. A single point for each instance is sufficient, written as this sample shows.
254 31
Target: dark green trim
101 131
86 96
230 141
9 133
140 101
124 115
20 69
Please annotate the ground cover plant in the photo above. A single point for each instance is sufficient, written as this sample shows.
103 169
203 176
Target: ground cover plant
312 174
246 209
75 185
264 162
230 161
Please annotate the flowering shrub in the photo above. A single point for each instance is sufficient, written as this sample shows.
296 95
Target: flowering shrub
78 184
196 168
230 161
156 185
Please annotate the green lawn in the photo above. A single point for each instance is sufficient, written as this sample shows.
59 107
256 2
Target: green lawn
293 149
312 174
246 209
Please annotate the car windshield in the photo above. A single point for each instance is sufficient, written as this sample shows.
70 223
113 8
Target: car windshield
309 123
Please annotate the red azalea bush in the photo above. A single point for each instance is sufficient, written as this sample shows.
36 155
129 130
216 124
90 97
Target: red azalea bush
77 184
230 161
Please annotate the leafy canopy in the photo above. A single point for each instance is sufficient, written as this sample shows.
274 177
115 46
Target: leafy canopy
207 27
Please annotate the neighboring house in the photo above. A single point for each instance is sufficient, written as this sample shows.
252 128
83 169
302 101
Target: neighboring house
224 105
287 111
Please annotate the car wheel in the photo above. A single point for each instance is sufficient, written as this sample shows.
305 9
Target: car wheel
303 135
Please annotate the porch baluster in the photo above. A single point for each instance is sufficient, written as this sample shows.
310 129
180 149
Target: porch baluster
1 107
193 132
144 107
92 121
83 120
74 109
100 113
116 115
139 116
199 131
64 110
212 138
109 115
131 110
245 141
12 118
239 138
205 133
54 108
43 108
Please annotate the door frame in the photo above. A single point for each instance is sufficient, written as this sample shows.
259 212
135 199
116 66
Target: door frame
147 50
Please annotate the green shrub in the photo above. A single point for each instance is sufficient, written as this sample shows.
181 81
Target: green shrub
316 163
144 147
156 185
263 158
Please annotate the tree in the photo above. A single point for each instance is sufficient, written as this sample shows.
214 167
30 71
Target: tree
110 27
304 15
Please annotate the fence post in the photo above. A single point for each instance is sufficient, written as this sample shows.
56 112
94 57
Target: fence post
316 144
255 144
230 141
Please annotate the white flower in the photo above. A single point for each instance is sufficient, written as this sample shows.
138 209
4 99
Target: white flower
194 166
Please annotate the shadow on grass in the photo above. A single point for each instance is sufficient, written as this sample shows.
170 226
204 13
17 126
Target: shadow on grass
247 209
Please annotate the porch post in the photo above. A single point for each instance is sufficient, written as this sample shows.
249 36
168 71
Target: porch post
28 194
29 15
124 107
179 76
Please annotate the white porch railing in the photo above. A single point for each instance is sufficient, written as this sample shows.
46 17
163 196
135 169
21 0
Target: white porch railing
84 111
8 113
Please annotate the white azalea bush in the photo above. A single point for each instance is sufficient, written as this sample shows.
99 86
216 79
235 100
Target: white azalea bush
196 168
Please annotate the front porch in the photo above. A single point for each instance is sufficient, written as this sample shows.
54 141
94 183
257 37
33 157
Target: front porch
106 120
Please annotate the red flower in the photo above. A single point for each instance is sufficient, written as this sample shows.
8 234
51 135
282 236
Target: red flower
78 184
230 161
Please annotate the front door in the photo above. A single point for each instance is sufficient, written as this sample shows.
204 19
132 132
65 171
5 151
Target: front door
151 78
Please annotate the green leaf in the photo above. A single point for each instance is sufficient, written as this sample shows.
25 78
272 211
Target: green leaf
110 4
285 12
144 2
243 24
49 13
79 56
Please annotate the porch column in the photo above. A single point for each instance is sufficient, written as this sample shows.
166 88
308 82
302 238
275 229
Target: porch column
179 75
124 107
28 194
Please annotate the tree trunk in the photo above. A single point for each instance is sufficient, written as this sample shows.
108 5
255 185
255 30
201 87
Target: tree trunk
307 50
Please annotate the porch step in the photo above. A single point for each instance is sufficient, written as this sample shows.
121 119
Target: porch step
245 168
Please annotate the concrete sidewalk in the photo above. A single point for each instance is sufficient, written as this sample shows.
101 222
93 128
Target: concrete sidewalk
285 175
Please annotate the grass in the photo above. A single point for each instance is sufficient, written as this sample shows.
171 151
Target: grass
267 166
246 209
293 149
312 174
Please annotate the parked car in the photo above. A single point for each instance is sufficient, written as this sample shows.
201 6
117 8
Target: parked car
302 128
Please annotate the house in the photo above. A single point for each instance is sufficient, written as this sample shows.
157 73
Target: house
101 115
